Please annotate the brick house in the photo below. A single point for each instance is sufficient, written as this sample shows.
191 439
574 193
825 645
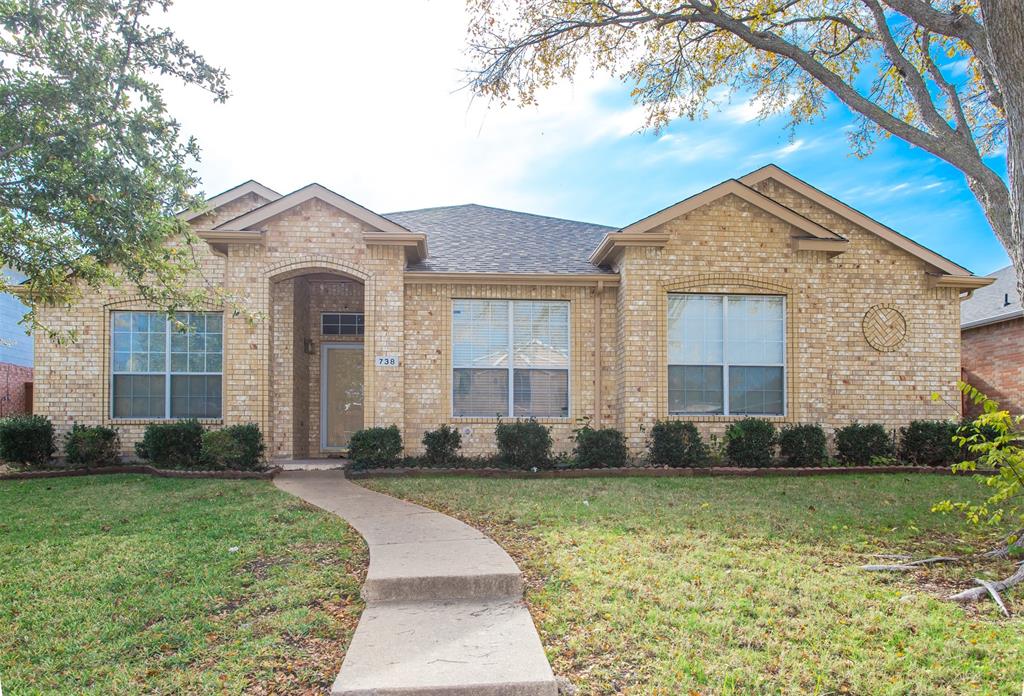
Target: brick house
15 352
992 342
760 296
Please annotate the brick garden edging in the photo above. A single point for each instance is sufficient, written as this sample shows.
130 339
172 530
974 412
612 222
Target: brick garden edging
141 469
652 472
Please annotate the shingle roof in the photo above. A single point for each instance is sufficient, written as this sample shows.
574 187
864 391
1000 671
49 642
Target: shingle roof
997 302
479 239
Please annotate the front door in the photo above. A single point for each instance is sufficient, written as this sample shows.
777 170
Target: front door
341 393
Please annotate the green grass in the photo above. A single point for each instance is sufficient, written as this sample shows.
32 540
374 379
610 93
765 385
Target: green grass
126 584
744 586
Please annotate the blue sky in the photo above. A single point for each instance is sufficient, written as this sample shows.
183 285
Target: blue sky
373 109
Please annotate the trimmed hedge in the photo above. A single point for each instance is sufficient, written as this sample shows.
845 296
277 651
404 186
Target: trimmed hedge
92 446
858 444
751 442
523 444
442 446
237 448
676 444
172 445
599 448
929 443
372 448
803 445
26 440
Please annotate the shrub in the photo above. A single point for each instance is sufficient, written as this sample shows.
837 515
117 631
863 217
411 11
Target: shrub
26 440
751 442
676 444
442 446
803 445
237 447
857 444
373 448
94 446
929 443
523 444
174 445
598 448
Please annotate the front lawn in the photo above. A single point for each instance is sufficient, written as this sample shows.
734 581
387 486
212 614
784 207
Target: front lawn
133 584
744 586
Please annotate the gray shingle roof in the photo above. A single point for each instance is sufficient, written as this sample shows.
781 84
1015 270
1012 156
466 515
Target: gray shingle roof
996 302
478 239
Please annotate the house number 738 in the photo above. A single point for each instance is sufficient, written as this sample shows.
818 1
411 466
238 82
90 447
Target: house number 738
387 361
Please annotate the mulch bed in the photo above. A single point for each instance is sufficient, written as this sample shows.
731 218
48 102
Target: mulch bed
141 469
652 472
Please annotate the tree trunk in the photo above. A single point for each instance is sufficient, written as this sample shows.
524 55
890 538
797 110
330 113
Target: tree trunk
1004 25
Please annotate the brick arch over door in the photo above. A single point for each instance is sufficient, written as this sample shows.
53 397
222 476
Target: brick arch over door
308 265
727 283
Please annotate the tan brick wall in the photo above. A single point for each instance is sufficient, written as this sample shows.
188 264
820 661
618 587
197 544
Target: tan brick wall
993 361
428 360
833 375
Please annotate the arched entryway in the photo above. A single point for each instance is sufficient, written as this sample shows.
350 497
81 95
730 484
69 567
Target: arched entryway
318 320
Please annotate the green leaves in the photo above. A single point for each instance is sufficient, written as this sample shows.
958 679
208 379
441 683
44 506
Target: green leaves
92 167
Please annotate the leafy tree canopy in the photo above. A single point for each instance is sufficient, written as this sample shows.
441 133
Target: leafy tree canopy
92 167
945 75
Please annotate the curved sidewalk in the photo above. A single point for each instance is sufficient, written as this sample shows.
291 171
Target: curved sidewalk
444 611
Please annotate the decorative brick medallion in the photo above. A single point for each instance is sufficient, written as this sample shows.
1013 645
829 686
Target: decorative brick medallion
885 329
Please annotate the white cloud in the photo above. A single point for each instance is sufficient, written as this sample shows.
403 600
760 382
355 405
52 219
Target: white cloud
371 104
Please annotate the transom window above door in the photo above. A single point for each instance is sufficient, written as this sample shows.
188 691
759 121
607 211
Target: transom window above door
510 357
341 324
160 370
726 354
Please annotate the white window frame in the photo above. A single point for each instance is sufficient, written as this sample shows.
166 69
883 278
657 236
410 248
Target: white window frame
342 314
511 359
167 373
725 364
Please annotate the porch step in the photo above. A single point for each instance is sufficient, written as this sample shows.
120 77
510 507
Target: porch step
485 648
309 464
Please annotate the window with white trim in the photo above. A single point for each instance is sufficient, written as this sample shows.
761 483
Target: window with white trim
510 357
159 371
726 354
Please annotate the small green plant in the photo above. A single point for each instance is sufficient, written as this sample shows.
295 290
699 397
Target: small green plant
599 448
173 445
996 439
92 446
523 444
884 461
857 443
929 443
676 444
442 446
373 448
803 445
237 447
26 440
751 442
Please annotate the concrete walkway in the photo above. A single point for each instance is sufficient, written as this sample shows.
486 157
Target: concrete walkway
444 611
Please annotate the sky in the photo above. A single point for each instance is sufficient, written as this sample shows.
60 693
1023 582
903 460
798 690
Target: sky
368 99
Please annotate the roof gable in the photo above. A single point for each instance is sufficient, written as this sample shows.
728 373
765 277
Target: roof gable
858 218
386 231
221 199
637 233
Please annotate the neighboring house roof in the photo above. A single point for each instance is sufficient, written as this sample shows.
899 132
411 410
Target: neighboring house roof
479 239
995 303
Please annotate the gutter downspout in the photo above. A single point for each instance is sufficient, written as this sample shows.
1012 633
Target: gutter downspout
598 291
